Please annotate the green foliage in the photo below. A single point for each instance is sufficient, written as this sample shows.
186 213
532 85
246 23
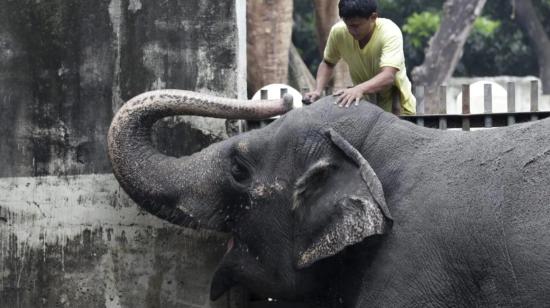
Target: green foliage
506 52
485 26
420 27
400 10
482 48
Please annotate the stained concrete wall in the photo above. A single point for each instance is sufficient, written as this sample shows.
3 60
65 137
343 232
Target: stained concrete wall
69 236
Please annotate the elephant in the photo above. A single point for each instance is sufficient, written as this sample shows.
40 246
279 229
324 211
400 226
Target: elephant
351 207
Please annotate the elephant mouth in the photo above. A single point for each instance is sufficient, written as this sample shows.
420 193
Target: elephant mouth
223 278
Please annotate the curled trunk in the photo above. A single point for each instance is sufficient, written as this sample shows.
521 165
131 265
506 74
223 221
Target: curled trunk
183 190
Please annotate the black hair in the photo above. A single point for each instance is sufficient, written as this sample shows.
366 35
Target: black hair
356 8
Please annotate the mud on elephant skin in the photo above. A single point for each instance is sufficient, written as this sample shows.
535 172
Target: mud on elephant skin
352 207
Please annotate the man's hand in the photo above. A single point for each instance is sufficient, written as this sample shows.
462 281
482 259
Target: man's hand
349 96
311 97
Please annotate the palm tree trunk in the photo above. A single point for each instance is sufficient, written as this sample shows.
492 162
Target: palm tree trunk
269 31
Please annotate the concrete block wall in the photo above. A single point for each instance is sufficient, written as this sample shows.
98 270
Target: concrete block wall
69 236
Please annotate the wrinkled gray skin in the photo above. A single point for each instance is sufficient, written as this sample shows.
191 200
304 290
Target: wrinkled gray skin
463 219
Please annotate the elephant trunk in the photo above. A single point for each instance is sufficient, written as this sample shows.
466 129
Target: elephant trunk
185 190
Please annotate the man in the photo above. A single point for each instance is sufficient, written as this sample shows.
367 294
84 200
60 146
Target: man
373 49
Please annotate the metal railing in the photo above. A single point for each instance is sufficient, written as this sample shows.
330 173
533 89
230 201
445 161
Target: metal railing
487 119
466 120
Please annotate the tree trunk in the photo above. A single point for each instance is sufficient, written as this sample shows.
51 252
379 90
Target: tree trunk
446 48
299 76
530 23
326 15
269 30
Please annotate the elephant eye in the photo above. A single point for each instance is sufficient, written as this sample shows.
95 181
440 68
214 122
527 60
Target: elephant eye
239 172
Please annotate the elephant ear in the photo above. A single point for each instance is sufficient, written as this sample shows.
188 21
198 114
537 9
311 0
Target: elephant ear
338 202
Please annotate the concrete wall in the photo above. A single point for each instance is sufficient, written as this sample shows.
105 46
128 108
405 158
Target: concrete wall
69 236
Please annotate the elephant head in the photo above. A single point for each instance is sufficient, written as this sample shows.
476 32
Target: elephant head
291 194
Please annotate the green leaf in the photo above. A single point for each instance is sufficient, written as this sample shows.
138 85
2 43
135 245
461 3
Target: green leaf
420 27
485 26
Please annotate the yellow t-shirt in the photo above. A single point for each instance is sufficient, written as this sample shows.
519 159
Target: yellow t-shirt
385 48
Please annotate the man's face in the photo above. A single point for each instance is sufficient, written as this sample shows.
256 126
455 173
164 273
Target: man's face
360 27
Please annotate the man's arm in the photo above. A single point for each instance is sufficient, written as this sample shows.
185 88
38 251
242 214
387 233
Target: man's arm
324 73
385 78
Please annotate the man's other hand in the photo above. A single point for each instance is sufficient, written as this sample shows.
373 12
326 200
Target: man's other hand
311 97
346 97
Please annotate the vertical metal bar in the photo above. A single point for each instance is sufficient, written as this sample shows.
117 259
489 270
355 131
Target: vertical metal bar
263 95
443 107
420 105
488 104
534 99
511 103
466 107
282 93
243 126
